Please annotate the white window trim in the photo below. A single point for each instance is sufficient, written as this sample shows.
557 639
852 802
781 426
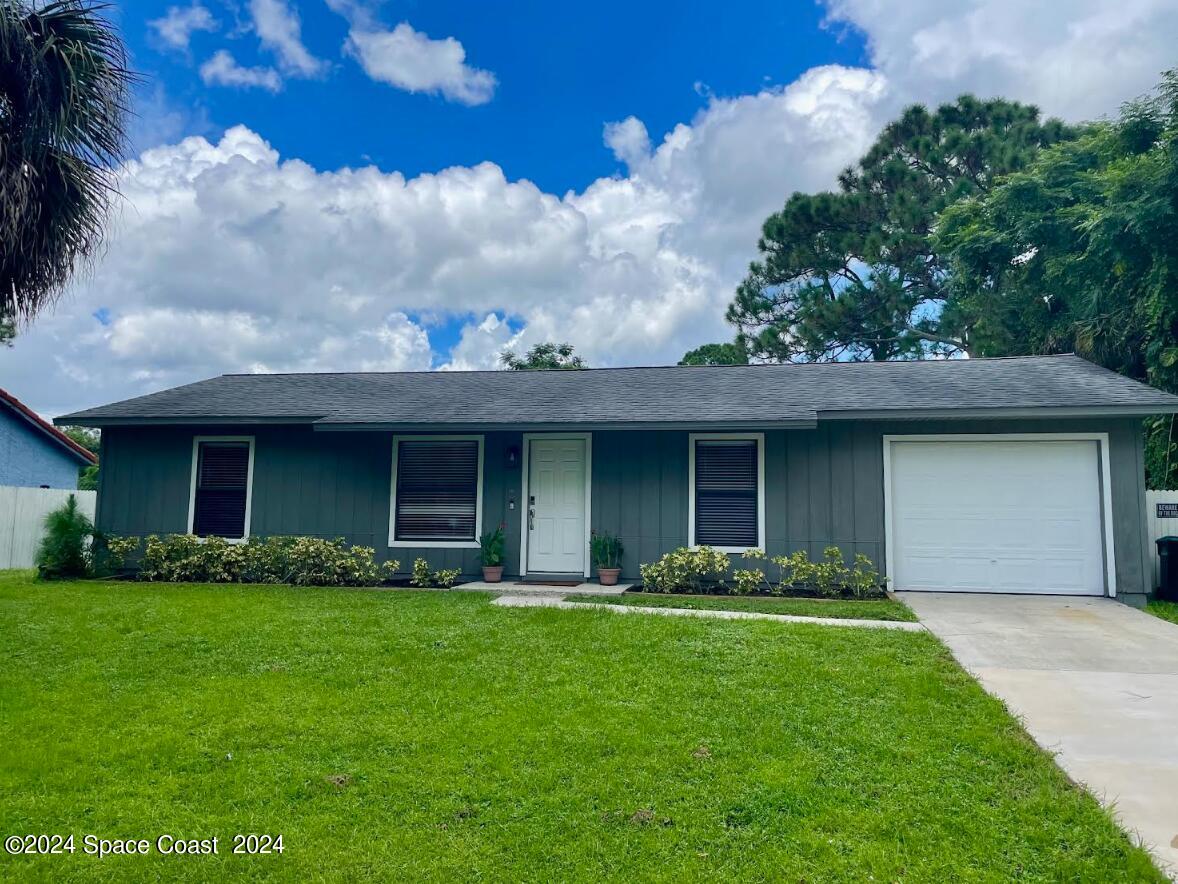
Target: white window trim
759 438
249 482
478 502
525 466
1103 462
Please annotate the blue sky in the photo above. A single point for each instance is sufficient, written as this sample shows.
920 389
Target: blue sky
563 69
331 185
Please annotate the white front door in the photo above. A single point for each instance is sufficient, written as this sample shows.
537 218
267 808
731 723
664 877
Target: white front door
556 506
997 516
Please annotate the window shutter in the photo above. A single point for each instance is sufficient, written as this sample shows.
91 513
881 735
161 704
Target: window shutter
222 484
437 489
726 493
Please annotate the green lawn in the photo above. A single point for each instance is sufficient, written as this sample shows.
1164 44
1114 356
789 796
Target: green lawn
873 609
1165 610
432 736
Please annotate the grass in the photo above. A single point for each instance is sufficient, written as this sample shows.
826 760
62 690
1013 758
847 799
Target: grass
433 736
1165 610
869 609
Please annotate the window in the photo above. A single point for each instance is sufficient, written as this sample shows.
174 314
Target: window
222 470
437 491
727 508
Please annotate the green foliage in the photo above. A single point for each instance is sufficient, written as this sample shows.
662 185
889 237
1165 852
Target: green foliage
302 561
7 330
854 274
747 580
716 354
89 438
605 549
1079 252
64 98
425 577
491 547
543 357
88 478
695 570
685 570
62 553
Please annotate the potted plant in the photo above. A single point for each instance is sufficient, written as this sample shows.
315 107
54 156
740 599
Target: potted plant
607 555
491 554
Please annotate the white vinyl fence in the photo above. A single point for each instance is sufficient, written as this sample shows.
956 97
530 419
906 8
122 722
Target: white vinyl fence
22 514
1162 521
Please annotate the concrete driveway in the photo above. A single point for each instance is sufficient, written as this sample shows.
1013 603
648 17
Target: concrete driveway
1095 682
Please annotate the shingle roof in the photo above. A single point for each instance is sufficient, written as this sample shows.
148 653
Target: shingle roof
50 432
685 395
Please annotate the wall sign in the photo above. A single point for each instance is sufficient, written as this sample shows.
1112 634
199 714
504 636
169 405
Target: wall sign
1167 510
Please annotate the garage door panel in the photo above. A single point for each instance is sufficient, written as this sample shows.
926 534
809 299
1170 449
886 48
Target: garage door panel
986 516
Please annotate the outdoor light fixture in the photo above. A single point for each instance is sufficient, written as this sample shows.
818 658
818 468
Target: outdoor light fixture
512 455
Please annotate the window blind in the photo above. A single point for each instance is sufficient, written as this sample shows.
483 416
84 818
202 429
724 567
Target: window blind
437 489
726 493
222 485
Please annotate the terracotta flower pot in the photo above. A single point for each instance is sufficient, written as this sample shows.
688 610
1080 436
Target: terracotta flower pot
492 573
608 576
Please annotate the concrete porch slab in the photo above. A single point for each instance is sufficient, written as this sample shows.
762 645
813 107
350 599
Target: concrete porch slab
515 588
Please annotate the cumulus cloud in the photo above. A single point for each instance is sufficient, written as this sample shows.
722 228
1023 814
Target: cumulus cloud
176 27
1077 60
410 60
223 70
279 29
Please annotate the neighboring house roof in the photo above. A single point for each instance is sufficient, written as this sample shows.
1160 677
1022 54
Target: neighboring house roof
744 395
40 425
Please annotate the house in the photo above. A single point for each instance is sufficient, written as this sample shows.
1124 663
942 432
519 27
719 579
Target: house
983 475
33 452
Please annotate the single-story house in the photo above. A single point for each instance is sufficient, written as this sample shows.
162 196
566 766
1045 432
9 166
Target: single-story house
33 452
1020 475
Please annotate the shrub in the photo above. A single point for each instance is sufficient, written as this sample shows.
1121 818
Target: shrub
864 579
831 574
747 580
685 570
302 561
62 553
424 577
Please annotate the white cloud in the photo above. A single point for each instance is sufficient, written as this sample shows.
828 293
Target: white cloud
280 31
1078 59
179 23
410 60
223 70
228 257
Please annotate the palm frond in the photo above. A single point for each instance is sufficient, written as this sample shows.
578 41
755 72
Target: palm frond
65 85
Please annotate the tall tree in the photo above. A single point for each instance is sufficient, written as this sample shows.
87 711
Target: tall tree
854 274
716 354
1079 252
543 357
64 93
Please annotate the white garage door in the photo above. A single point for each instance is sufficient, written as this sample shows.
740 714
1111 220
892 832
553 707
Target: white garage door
977 516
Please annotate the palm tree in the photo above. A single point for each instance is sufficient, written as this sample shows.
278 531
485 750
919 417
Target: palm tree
64 96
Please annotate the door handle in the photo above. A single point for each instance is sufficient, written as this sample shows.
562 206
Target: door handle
531 519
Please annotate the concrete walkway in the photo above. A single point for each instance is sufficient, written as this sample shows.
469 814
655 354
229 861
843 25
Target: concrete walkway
537 601
1095 682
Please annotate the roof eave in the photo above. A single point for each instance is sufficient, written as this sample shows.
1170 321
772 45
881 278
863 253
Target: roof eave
995 413
557 426
99 421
